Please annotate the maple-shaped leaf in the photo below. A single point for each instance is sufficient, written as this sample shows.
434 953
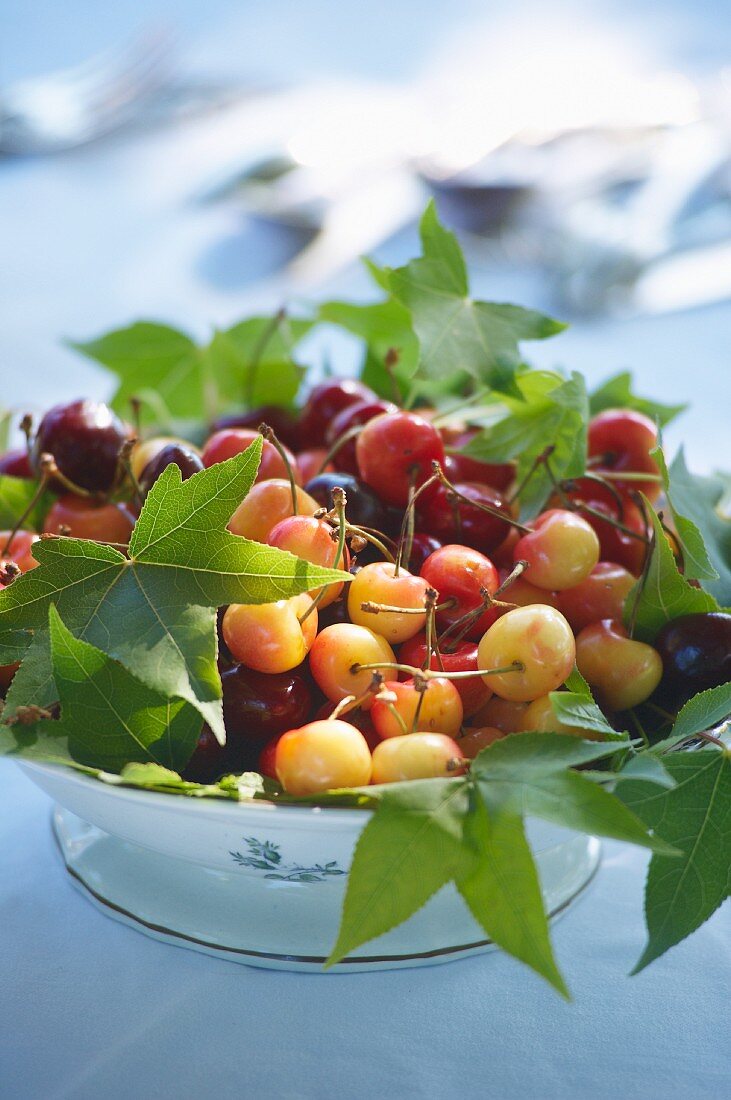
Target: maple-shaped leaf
154 611
457 332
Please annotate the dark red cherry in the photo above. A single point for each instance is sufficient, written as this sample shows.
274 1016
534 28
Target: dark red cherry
350 417
185 458
208 762
323 405
421 547
696 654
451 520
363 507
16 464
281 421
258 705
85 438
462 467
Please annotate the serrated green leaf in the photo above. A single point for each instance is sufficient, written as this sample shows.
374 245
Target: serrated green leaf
645 766
154 611
456 332
677 483
503 892
616 393
664 594
410 848
108 717
695 817
703 525
702 712
253 362
382 326
581 712
575 682
551 411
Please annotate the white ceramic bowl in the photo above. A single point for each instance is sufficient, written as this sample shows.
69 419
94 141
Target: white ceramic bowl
257 883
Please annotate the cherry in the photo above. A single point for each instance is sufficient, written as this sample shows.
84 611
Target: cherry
82 518
85 438
462 467
561 551
266 764
321 756
258 706
310 463
269 637
477 739
232 441
185 458
504 714
148 449
334 652
16 464
461 574
312 540
395 452
539 717
421 547
266 505
623 439
440 711
19 549
615 545
601 595
540 639
379 583
452 520
623 672
324 403
522 592
358 717
364 507
350 417
473 691
208 763
282 423
696 654
416 756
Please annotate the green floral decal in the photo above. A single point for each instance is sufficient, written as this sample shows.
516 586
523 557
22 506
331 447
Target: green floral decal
265 856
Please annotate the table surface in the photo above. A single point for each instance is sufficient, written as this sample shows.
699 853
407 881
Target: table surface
90 1008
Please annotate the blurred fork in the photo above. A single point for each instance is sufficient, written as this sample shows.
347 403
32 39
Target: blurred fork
71 107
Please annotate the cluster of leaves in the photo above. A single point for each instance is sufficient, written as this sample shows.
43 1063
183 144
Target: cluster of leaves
121 648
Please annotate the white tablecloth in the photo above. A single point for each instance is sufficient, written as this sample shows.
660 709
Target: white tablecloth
91 1009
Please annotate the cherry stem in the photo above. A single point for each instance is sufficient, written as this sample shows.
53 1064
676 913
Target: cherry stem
340 500
631 475
477 504
258 350
430 604
352 702
48 465
8 572
366 533
517 571
125 461
420 686
26 427
712 739
431 674
406 532
271 437
40 489
600 480
377 608
539 460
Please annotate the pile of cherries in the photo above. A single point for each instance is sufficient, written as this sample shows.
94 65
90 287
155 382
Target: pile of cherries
459 620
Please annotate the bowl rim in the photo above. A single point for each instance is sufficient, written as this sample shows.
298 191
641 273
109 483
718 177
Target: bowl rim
204 807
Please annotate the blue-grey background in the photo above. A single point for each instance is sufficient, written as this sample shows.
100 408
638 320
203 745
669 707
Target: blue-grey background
101 236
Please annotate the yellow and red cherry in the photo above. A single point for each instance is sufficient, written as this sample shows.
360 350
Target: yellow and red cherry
322 756
462 575
269 637
622 440
82 518
146 450
335 651
622 671
312 540
395 452
266 505
266 764
421 755
478 738
601 595
560 551
473 691
502 714
539 640
232 441
378 583
18 549
441 709
523 593
625 547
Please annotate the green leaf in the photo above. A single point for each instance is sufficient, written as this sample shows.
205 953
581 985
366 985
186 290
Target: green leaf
155 611
678 489
645 766
109 718
580 711
253 361
410 848
664 594
616 393
527 774
551 411
695 817
504 894
455 332
382 326
702 712
16 494
704 526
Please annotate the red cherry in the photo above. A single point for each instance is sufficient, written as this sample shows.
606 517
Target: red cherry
473 691
19 549
421 547
461 467
85 438
16 464
86 519
616 545
351 417
325 402
309 464
267 756
624 438
451 520
281 421
232 441
460 573
396 451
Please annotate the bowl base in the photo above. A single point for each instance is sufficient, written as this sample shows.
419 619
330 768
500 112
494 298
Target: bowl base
276 924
